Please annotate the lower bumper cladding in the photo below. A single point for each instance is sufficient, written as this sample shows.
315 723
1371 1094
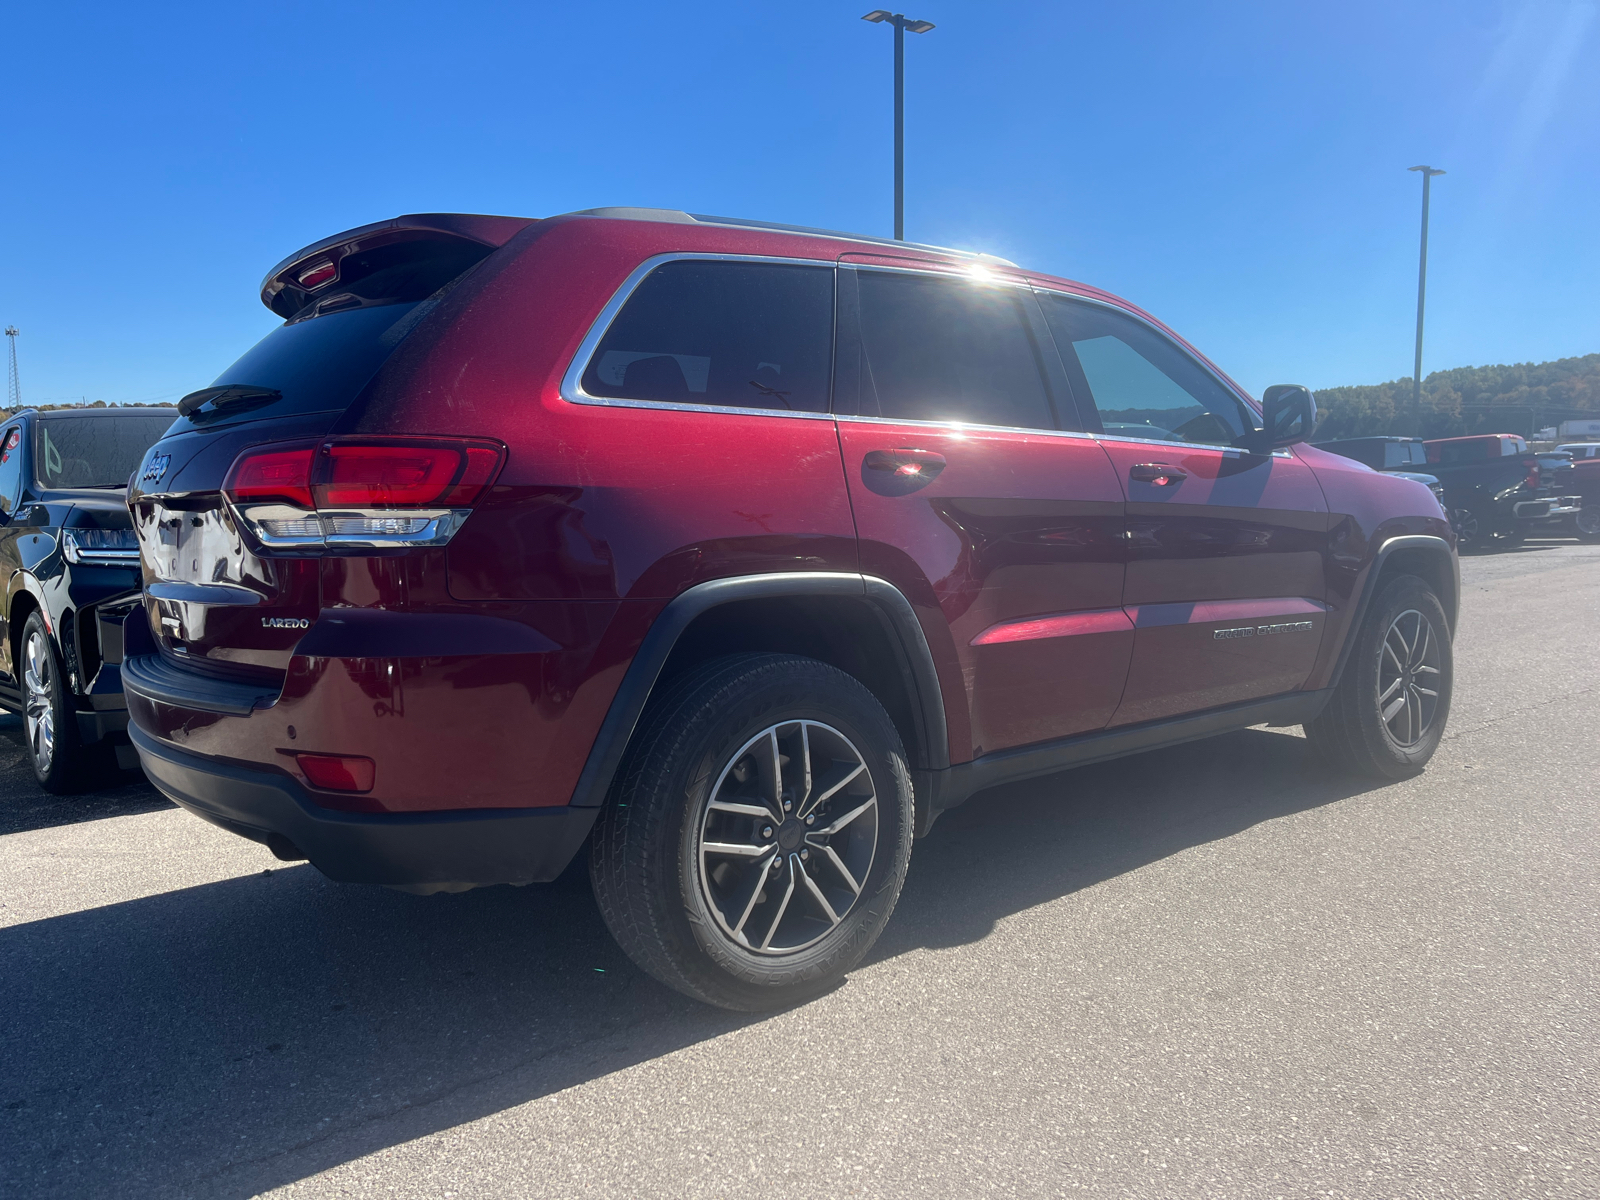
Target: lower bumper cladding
421 852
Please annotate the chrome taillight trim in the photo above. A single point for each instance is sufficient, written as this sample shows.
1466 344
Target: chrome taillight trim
333 527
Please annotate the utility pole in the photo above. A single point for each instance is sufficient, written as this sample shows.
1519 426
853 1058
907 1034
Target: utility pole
1422 288
901 26
13 383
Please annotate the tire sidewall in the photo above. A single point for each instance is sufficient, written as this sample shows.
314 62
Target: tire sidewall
772 690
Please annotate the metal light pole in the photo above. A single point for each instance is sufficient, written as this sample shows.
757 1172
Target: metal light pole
902 26
1422 286
13 383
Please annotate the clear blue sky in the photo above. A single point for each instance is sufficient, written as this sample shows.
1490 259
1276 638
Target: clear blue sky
1237 168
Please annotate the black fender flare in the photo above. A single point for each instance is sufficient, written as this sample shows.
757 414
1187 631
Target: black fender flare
639 681
1428 542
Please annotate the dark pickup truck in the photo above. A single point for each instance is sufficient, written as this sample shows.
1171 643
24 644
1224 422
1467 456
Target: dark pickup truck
1494 488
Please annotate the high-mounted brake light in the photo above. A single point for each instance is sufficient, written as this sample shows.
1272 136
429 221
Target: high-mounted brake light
316 276
361 493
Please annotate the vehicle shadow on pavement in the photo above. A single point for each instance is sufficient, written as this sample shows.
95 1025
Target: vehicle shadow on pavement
24 805
241 1035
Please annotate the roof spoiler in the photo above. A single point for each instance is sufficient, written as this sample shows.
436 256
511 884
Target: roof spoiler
297 280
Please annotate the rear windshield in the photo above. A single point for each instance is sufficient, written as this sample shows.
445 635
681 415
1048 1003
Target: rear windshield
81 452
320 365
1404 454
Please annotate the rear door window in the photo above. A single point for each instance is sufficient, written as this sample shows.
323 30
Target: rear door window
1141 384
722 334
941 349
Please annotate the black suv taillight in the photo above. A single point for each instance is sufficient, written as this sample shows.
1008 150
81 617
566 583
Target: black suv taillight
1532 479
360 493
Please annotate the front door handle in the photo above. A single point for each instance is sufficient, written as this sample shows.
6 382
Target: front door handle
919 466
1157 474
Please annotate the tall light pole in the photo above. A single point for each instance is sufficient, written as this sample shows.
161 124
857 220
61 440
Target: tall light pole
13 383
1422 286
902 26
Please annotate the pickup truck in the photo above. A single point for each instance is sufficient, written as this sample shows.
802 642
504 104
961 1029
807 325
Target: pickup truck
1391 455
1494 488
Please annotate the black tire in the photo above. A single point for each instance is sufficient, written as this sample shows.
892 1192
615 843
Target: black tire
1351 733
650 861
1470 531
1586 523
61 762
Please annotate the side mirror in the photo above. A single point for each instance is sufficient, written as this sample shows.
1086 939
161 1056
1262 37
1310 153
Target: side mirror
1289 415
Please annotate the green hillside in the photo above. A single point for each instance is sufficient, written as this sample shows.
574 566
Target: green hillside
1519 398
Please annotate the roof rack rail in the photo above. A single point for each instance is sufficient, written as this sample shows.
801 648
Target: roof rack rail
675 216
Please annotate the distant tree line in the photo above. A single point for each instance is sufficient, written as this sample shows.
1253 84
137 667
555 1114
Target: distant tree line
6 412
1517 398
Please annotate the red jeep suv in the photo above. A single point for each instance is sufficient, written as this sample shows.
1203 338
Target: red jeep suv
733 554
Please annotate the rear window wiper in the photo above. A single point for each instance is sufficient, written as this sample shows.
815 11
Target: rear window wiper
233 394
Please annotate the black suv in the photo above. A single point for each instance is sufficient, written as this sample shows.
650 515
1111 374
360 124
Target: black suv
70 563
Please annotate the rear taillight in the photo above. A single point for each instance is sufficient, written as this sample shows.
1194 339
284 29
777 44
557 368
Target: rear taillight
1532 479
361 494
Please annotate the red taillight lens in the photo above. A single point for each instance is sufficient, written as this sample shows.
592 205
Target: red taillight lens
338 772
1533 472
387 476
283 475
369 493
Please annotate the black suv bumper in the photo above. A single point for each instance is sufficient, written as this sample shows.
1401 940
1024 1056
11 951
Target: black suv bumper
428 852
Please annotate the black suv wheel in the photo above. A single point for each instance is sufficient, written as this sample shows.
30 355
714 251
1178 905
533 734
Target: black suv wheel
759 834
57 753
1388 713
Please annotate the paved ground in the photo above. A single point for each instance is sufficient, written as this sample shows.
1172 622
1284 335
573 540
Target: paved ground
1206 972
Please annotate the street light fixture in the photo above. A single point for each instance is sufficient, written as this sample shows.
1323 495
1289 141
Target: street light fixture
902 25
1422 287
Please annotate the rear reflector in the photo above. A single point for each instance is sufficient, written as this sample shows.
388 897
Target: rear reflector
338 772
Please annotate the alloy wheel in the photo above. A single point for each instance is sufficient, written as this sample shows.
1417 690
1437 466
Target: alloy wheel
1588 521
1466 523
787 837
1408 678
39 710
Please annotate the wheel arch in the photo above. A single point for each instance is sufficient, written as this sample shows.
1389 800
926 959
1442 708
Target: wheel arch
1424 555
860 624
25 599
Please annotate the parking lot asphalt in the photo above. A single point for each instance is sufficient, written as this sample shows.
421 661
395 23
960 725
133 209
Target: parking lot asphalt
1208 971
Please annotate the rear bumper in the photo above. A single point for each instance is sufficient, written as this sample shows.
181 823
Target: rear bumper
1539 510
427 852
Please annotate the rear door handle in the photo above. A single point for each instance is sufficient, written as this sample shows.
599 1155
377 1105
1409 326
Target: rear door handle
1157 474
906 464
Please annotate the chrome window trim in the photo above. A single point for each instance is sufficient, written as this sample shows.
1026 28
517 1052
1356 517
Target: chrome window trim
1236 451
965 426
957 272
572 382
1227 385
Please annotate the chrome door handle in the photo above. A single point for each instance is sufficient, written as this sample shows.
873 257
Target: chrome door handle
1157 474
906 463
